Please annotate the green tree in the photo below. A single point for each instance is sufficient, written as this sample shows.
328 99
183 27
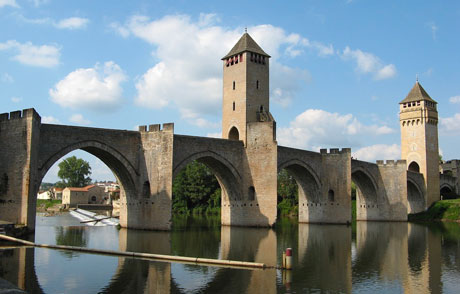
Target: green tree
288 195
74 172
195 189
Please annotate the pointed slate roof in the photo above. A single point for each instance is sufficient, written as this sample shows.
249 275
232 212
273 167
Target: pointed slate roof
417 94
246 43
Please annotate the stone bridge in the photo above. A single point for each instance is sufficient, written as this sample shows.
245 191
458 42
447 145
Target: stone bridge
146 161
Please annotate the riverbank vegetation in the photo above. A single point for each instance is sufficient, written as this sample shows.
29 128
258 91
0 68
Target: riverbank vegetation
44 205
196 191
443 210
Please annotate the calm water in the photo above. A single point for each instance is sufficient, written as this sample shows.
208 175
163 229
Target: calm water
364 258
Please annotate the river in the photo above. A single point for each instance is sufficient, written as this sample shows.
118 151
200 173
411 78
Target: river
367 257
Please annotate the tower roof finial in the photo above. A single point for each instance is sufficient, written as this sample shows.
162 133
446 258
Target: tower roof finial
246 29
416 78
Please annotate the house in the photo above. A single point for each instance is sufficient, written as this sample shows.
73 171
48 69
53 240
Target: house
91 194
57 193
44 195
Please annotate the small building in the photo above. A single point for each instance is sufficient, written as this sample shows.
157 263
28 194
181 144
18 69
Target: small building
91 194
44 195
57 193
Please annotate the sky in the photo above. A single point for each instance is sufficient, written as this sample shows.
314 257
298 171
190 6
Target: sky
337 73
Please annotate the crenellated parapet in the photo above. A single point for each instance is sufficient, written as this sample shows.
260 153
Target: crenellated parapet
20 114
167 127
391 163
335 151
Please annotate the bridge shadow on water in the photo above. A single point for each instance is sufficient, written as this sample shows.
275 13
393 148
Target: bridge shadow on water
380 256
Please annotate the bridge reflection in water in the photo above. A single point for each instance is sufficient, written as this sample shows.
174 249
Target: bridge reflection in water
371 256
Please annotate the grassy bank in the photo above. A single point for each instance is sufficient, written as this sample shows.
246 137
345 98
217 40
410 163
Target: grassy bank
44 205
443 210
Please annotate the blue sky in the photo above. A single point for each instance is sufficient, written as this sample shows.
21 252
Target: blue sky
338 68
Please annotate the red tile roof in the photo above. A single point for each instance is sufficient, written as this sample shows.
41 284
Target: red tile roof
82 189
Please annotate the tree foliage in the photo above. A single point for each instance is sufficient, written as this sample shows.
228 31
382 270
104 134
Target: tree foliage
288 194
74 172
196 190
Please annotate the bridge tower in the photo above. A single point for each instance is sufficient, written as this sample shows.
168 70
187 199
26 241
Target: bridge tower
246 88
246 117
419 138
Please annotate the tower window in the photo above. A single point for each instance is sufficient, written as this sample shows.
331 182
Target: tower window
233 134
233 105
257 84
331 196
233 85
251 193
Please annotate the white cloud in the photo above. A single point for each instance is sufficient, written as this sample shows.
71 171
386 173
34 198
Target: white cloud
455 99
72 23
79 119
29 54
50 120
16 99
378 152
95 88
450 125
11 3
434 29
121 30
367 63
315 128
214 135
6 78
186 75
386 72
38 3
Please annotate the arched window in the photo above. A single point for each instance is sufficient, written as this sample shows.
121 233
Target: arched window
414 167
330 196
233 85
93 199
233 105
234 135
251 193
257 84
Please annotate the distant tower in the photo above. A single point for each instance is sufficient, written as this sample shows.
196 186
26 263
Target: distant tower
246 88
419 138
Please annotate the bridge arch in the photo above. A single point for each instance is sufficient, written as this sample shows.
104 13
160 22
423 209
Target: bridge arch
447 191
227 175
415 197
306 178
414 167
123 170
366 185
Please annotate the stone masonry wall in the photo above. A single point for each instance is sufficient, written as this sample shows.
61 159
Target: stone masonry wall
19 133
151 209
394 177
